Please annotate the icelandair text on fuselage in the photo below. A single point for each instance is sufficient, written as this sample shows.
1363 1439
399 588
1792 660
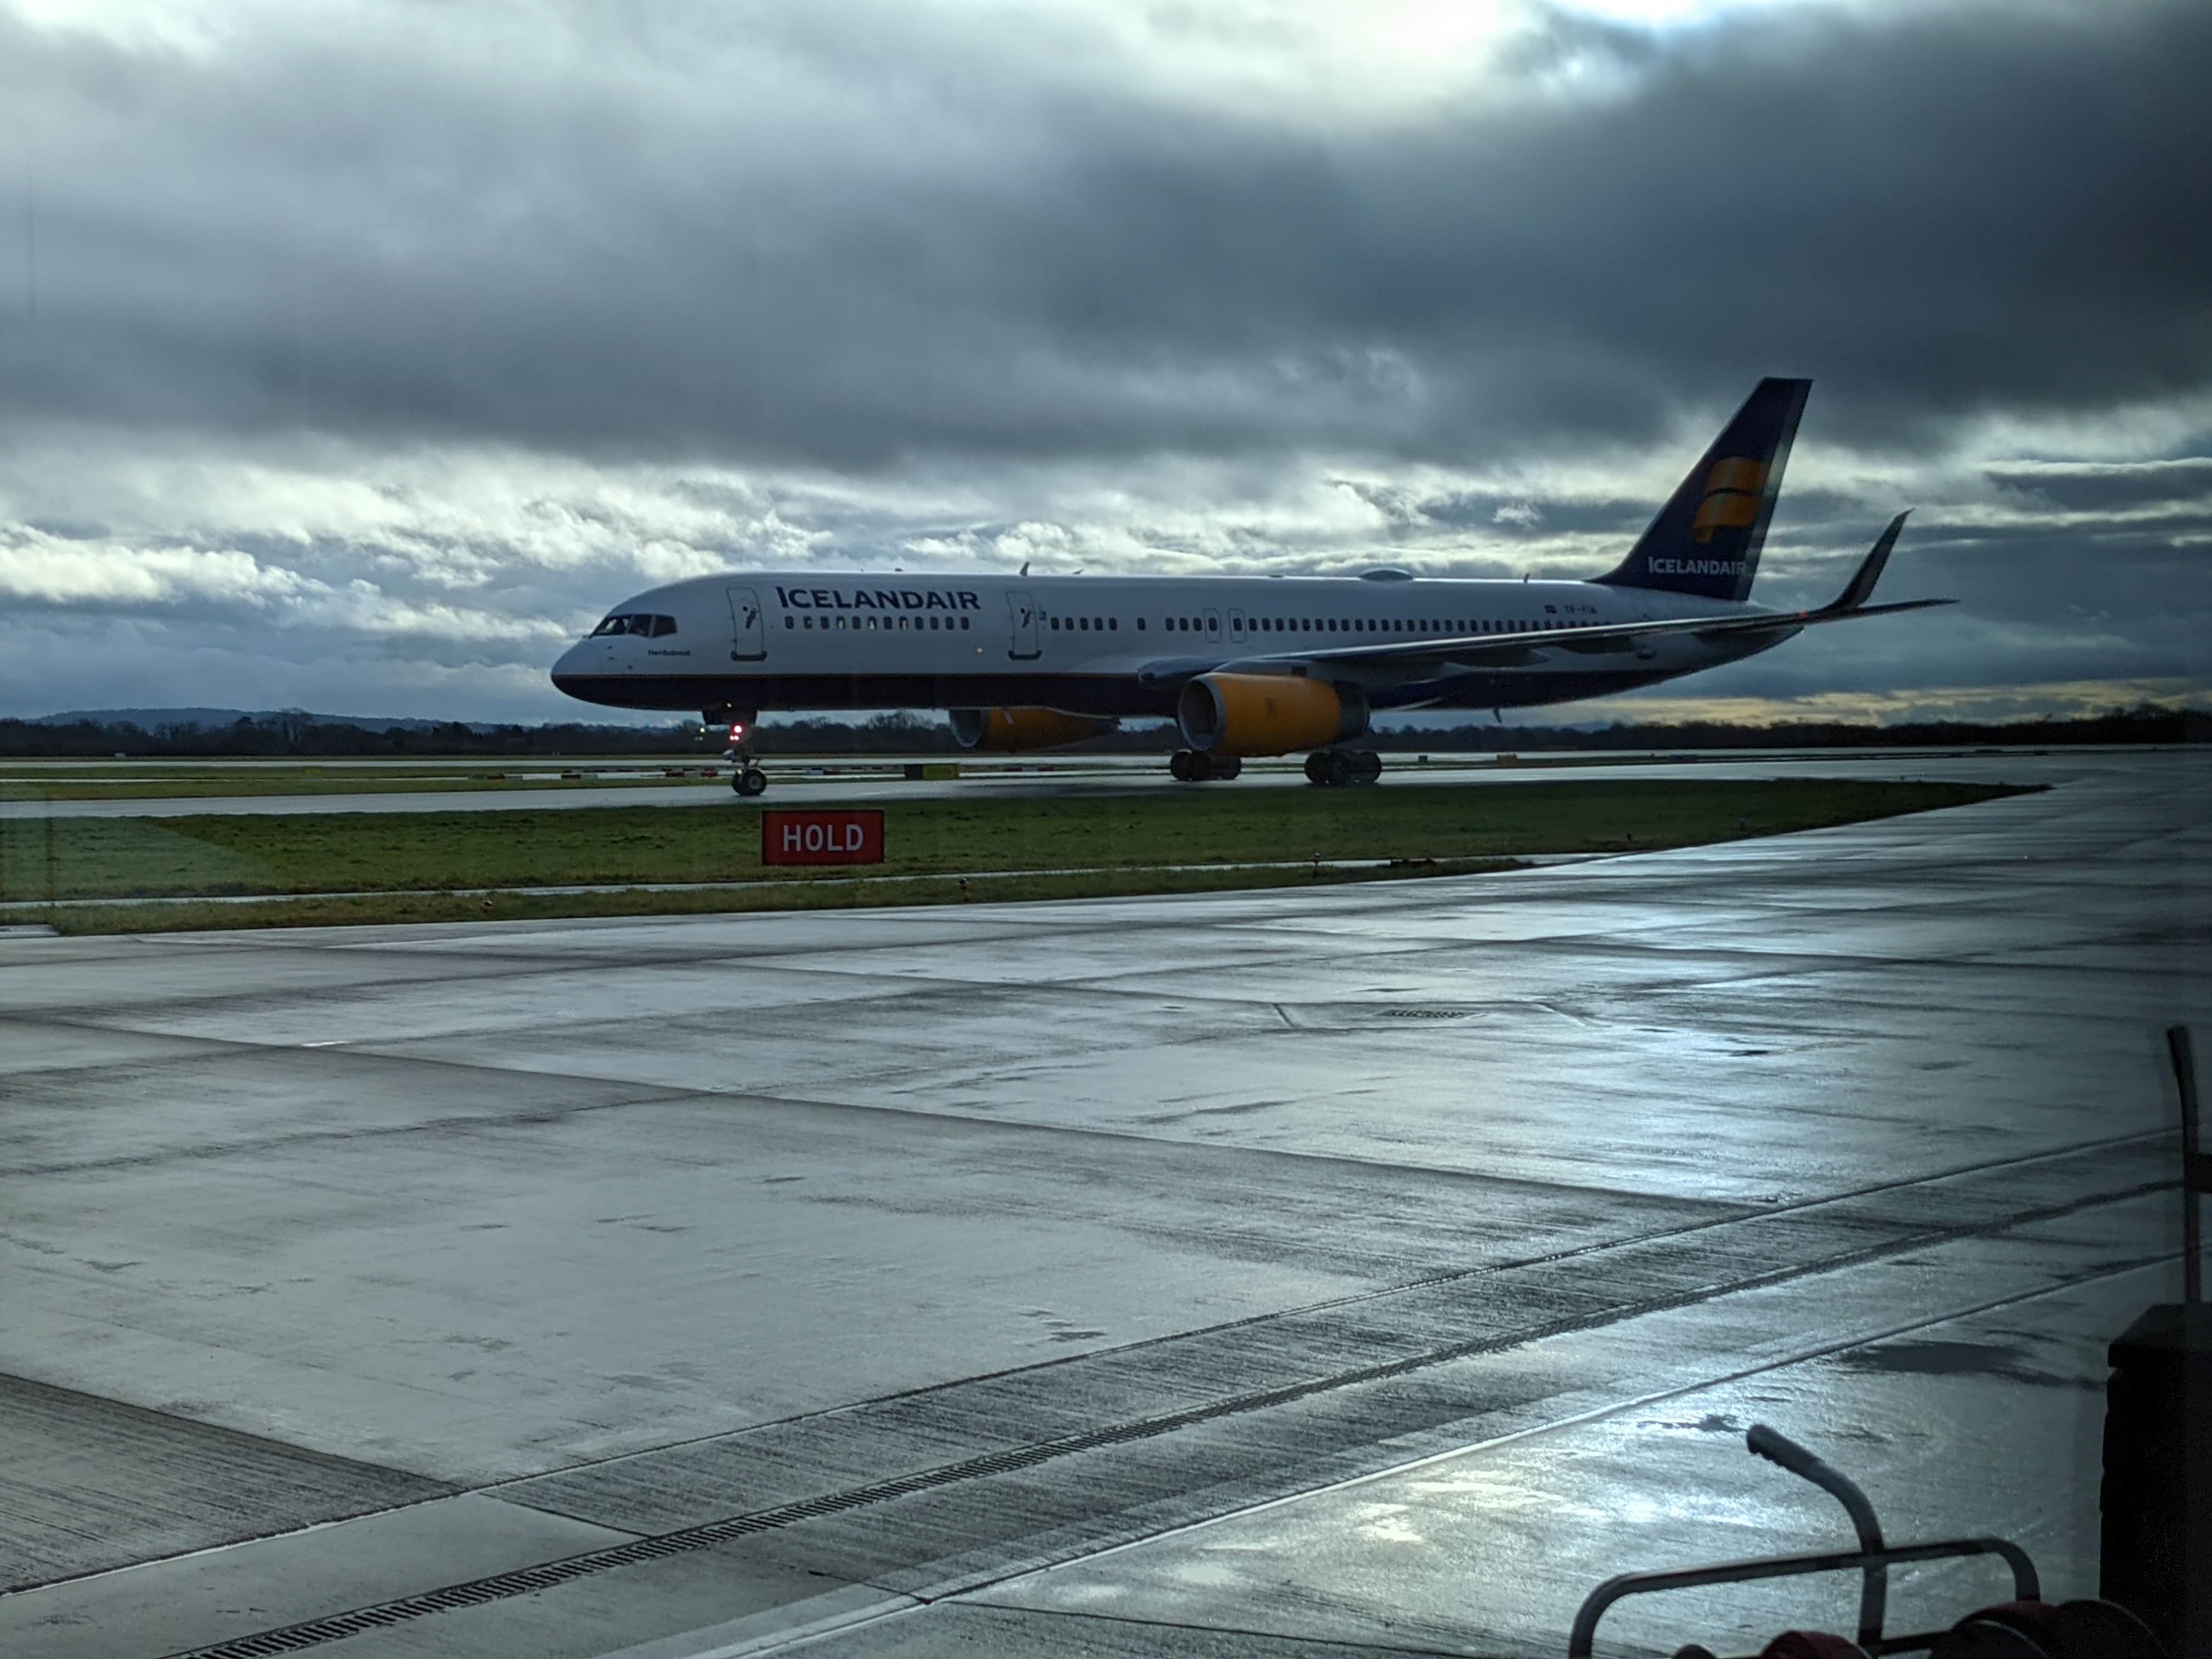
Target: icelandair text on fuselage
878 599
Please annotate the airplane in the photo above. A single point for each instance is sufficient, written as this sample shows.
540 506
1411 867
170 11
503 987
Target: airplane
1245 666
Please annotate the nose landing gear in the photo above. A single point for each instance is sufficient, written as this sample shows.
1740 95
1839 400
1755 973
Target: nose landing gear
747 780
1335 768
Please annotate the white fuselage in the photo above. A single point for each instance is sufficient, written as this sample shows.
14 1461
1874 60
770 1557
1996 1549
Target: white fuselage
1103 645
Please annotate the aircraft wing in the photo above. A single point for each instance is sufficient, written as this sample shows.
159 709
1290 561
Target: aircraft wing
1426 657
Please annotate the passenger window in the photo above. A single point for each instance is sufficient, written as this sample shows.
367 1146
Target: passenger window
791 621
1112 624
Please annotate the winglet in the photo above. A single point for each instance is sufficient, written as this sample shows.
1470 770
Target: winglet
1860 589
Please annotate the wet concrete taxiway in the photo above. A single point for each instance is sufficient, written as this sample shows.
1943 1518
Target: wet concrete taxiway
1365 1269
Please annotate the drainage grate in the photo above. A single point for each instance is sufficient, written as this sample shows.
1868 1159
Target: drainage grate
1424 1013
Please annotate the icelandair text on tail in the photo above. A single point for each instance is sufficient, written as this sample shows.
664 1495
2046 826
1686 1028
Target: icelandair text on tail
822 836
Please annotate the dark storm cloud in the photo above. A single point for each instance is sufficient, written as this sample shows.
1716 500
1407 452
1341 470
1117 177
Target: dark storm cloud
750 237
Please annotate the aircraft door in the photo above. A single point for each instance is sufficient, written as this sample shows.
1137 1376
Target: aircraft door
1212 627
748 638
1236 626
1646 646
1022 615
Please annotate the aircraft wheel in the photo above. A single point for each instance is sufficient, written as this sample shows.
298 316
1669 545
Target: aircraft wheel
1339 767
1366 766
1224 766
750 781
1179 767
1317 767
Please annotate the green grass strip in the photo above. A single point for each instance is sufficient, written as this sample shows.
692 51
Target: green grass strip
404 866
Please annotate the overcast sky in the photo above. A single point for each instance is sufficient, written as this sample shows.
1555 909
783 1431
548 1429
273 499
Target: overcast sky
356 357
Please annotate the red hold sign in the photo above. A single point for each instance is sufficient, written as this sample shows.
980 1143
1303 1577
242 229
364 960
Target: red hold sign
821 837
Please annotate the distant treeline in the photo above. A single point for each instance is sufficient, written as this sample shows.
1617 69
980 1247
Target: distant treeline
279 735
2148 723
276 736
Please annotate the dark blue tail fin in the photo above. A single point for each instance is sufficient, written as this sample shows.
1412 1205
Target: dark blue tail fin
1707 539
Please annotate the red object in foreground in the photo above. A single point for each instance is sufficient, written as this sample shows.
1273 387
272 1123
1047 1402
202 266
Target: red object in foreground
822 836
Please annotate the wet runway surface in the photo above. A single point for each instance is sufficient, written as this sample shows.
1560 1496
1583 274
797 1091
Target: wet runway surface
1366 1268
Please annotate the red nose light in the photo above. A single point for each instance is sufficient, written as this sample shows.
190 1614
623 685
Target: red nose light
737 731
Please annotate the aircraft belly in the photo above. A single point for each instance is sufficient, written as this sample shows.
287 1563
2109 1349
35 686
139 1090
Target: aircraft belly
1120 695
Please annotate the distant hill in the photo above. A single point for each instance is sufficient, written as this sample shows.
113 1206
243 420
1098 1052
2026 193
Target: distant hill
153 719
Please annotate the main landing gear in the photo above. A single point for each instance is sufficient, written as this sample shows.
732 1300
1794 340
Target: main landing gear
1335 768
1196 766
748 780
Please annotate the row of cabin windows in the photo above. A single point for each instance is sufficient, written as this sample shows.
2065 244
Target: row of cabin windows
657 626
1365 625
651 628
875 624
1393 625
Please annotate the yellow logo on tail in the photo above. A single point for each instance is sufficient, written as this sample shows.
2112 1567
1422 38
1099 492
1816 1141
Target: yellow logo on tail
1733 491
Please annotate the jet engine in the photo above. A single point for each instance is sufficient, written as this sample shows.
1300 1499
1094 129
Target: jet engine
1012 729
1267 714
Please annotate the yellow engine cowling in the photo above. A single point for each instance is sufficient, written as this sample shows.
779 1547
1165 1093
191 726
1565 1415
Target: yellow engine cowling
1010 729
1267 714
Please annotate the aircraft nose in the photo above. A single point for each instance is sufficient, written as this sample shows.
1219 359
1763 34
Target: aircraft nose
565 668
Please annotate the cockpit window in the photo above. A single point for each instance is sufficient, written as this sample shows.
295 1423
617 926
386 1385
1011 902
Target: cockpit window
635 622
